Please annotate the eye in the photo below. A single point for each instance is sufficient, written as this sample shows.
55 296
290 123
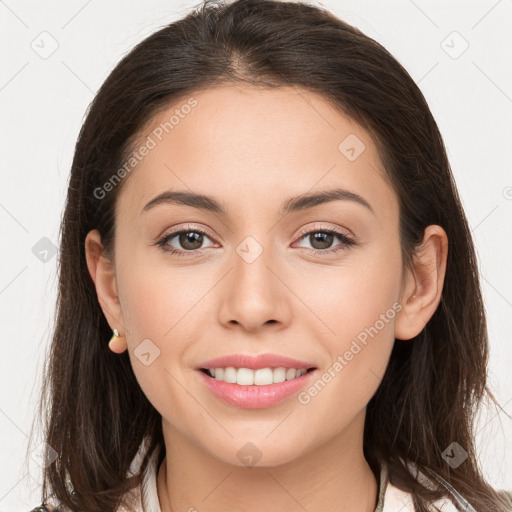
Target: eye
321 240
190 240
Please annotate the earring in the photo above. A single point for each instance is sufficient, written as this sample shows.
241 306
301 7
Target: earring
117 343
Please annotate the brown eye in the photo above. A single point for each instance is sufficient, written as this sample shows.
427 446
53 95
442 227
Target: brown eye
321 240
183 242
190 240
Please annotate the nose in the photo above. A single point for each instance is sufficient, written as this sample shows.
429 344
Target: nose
253 294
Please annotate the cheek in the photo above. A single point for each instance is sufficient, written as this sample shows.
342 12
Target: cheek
156 298
153 310
355 295
161 307
358 353
357 305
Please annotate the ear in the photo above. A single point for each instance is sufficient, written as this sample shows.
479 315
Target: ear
422 289
102 272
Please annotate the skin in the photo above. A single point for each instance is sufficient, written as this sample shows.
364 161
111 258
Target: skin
252 149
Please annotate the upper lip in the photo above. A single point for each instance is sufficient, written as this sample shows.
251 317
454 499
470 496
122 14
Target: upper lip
256 362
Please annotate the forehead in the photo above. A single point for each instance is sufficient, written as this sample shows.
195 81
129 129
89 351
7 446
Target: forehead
252 147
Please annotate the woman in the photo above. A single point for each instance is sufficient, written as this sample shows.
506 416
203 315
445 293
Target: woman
262 220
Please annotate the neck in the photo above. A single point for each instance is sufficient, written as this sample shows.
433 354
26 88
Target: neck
332 477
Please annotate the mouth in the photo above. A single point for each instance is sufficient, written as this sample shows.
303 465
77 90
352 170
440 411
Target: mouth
207 371
255 389
259 377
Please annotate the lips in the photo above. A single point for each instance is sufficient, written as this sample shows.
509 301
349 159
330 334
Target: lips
255 397
256 362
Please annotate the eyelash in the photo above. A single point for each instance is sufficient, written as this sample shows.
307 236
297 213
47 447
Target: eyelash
345 239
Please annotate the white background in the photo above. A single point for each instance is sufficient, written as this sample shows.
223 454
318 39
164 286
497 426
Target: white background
43 102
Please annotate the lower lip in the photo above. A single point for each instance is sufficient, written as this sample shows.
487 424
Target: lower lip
255 397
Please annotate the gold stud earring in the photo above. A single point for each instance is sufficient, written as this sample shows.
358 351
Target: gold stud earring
117 343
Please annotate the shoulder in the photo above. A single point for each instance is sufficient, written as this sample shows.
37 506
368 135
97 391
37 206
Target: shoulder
394 498
141 498
397 499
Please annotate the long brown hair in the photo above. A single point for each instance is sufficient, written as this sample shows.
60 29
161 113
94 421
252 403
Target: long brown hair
96 415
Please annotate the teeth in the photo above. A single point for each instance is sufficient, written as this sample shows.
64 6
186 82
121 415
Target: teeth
261 377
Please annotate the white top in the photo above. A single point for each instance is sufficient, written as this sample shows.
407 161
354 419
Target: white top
391 499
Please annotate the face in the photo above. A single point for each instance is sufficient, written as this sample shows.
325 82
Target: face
316 281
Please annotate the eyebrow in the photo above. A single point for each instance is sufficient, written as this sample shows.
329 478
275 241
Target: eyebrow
293 204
